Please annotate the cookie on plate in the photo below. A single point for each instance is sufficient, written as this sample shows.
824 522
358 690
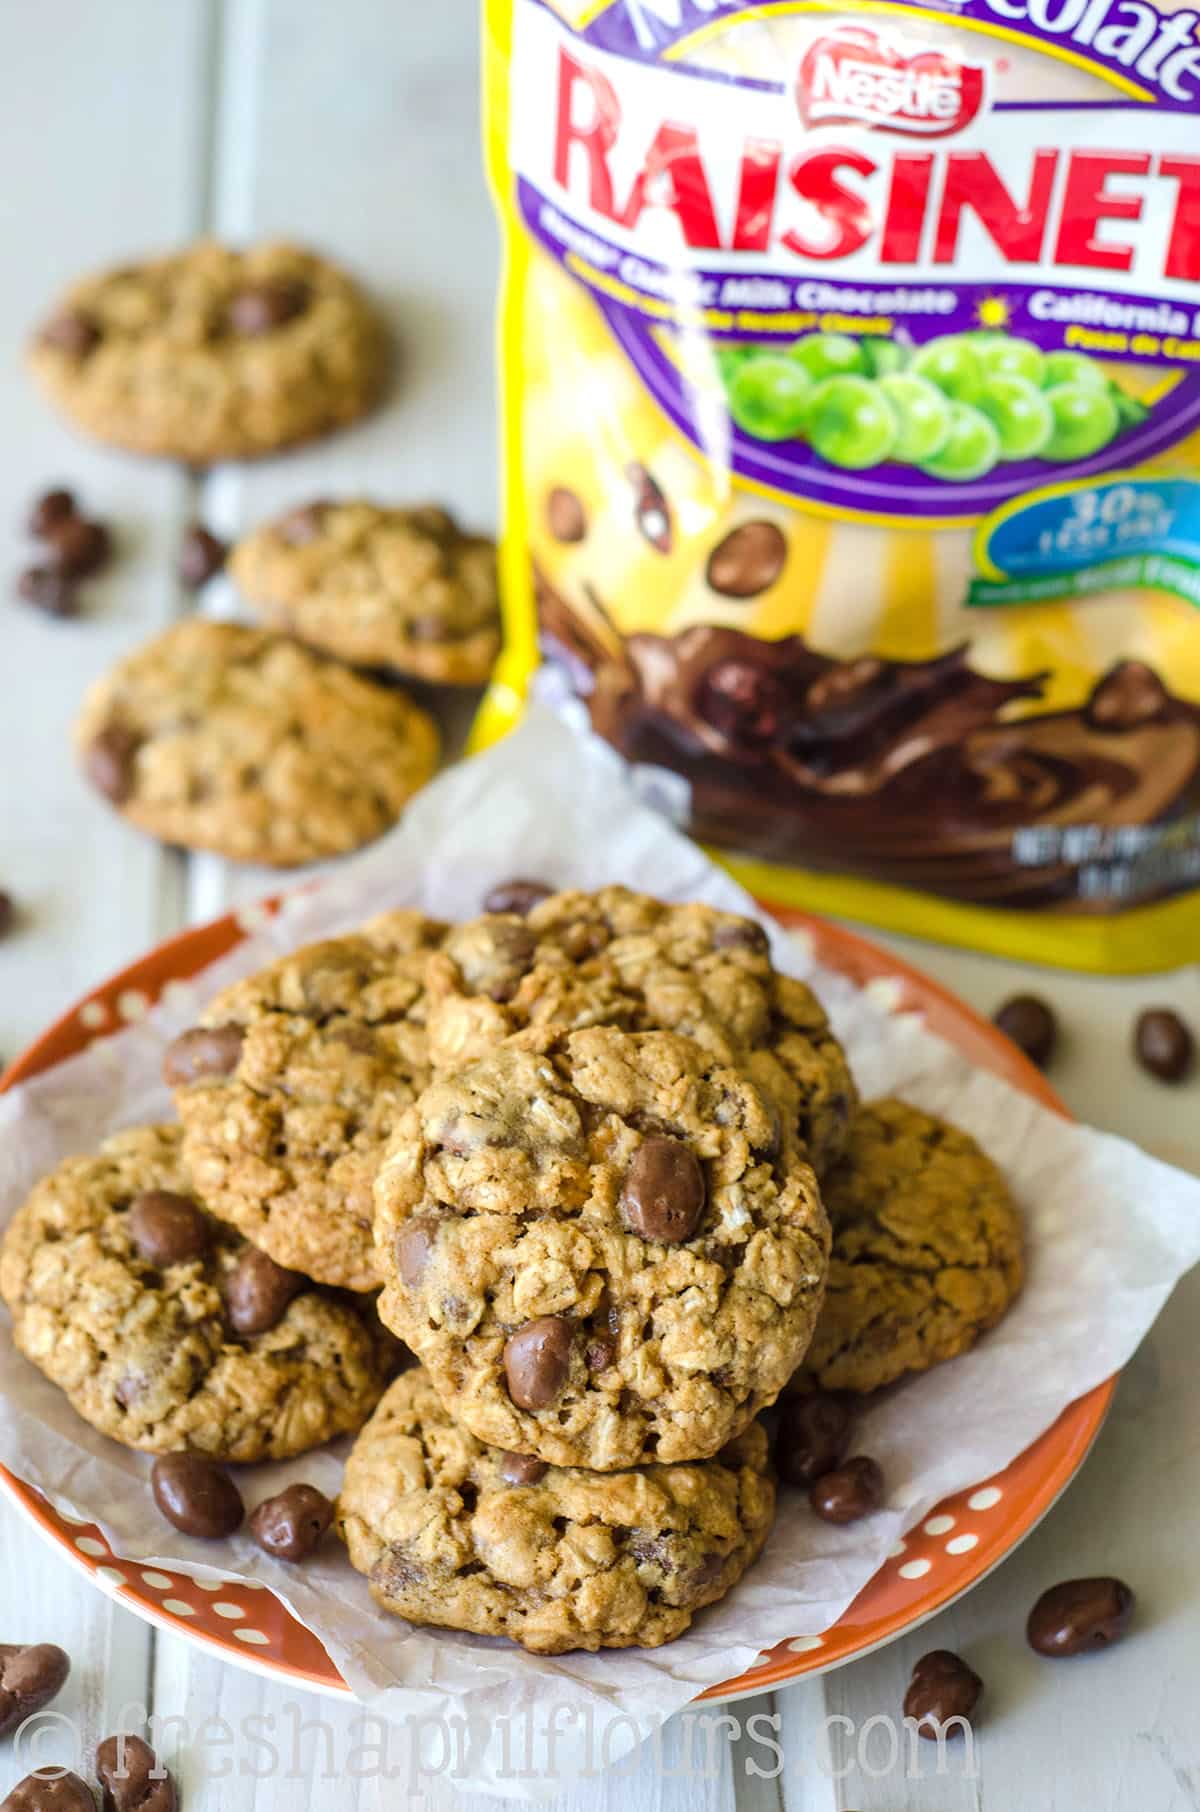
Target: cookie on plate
165 1329
605 1246
404 590
291 1085
212 353
620 958
454 1533
219 737
928 1249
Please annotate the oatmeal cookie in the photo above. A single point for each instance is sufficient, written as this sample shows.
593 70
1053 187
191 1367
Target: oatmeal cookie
212 353
454 1533
404 590
218 737
165 1329
605 1246
928 1250
292 1083
615 957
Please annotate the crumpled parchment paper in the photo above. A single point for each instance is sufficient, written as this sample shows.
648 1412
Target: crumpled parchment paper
1110 1233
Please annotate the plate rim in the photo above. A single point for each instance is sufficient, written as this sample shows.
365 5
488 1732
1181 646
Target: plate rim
186 952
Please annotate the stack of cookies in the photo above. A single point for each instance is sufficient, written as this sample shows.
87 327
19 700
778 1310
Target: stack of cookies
580 1155
292 742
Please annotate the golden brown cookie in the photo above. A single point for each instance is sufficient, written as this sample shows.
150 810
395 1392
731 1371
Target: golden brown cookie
165 1329
212 353
615 957
454 1533
604 1246
405 590
928 1249
292 1083
218 737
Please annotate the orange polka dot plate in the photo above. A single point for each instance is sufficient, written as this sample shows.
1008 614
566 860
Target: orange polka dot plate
950 1551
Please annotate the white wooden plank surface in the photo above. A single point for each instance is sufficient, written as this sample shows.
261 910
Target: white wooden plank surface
102 126
133 125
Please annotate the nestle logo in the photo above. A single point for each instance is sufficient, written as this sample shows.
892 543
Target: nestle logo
856 74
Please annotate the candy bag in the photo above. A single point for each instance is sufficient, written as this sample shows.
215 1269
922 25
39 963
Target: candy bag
851 402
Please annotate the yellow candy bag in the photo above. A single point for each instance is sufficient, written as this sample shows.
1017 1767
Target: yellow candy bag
851 402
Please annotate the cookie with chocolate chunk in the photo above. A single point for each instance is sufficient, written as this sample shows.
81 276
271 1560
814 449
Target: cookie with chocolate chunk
401 589
212 353
165 1329
615 957
292 1083
214 736
452 1532
607 1247
928 1249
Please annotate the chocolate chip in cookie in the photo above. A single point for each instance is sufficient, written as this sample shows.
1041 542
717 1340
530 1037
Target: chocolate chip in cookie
258 1291
167 1228
262 307
521 1469
109 761
537 1359
413 1247
204 1051
517 896
664 1193
72 332
303 524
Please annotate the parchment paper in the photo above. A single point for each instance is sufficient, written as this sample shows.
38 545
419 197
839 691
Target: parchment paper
1110 1233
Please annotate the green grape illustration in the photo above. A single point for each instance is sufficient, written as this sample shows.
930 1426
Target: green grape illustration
1004 355
882 357
922 414
971 448
953 364
768 397
851 423
1072 368
1085 419
825 355
1020 414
